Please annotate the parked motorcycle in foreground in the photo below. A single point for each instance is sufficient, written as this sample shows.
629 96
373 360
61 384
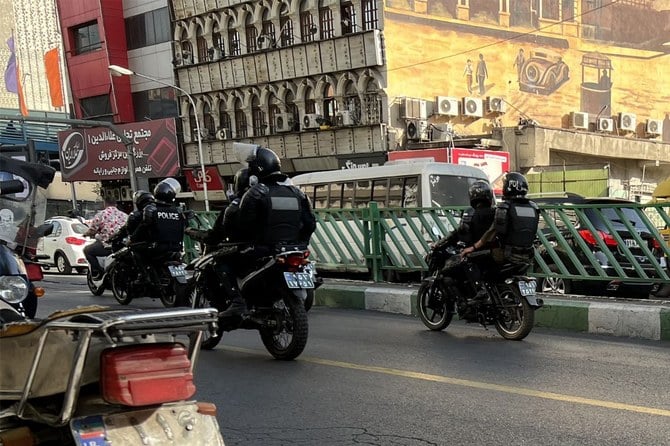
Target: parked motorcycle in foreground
510 305
275 292
94 376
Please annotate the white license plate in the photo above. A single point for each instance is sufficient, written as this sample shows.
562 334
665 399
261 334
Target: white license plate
165 425
298 280
631 243
527 288
177 270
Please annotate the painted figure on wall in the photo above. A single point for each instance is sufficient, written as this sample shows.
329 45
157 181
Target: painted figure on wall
468 75
519 61
482 75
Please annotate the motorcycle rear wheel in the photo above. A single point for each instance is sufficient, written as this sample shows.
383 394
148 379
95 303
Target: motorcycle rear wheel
197 299
516 318
289 338
433 307
120 278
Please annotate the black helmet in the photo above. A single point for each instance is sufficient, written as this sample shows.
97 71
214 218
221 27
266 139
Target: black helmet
241 181
514 185
141 198
167 190
263 163
480 192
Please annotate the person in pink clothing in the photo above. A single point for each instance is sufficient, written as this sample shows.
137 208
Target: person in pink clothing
103 226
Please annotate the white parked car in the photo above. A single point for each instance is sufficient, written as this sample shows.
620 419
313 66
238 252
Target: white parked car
64 248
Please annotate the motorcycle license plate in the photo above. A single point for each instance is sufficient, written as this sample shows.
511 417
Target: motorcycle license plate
165 425
177 270
527 288
298 280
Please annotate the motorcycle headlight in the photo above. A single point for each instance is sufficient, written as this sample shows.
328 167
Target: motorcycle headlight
13 289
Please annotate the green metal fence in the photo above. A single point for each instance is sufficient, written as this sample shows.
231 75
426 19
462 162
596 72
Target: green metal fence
385 241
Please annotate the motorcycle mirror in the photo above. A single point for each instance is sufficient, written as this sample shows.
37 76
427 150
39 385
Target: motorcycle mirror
11 187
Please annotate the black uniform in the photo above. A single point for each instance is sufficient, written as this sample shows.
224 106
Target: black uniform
516 221
274 213
474 223
162 228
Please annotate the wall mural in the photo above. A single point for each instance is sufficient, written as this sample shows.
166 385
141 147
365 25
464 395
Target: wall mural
544 58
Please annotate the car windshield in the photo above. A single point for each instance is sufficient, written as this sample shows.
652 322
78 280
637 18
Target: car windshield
611 215
450 190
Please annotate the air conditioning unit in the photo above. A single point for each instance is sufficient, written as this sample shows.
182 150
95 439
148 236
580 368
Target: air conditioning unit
309 121
223 134
654 127
205 135
495 104
284 122
126 194
447 106
344 118
627 122
113 193
579 120
413 108
415 129
605 124
473 107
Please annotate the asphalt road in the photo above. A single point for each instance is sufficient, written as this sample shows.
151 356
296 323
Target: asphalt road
370 378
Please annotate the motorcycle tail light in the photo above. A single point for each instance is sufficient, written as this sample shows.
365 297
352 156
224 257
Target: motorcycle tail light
75 241
34 271
141 375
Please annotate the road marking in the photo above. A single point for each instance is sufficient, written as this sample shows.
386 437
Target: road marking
472 384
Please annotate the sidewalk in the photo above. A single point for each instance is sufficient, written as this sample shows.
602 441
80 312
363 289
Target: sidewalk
646 319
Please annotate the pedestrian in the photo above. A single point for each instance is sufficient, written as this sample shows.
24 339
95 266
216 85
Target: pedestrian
482 74
468 75
519 60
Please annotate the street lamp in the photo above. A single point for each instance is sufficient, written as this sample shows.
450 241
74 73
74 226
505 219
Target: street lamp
117 70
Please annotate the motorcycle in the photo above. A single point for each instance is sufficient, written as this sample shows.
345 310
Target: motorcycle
509 304
20 207
98 286
130 276
97 376
275 291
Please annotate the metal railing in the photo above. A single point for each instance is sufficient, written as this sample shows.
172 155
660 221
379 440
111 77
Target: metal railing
382 242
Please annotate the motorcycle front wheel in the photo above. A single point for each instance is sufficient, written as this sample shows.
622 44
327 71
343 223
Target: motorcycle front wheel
120 278
435 310
195 295
516 317
288 338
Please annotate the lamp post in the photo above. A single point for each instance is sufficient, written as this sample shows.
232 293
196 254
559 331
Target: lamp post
117 70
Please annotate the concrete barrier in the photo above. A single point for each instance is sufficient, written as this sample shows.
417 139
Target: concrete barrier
626 318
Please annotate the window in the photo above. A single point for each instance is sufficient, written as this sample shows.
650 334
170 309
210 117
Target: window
321 196
307 27
96 106
252 36
202 46
403 192
268 28
550 9
148 29
273 112
286 31
157 103
348 13
208 121
234 39
369 14
362 193
240 122
258 117
86 38
326 21
217 40
224 117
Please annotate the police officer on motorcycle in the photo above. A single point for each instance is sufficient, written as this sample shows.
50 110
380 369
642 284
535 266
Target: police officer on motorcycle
272 213
163 223
475 221
141 198
512 235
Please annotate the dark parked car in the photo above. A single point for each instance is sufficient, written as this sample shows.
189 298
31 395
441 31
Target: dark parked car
600 211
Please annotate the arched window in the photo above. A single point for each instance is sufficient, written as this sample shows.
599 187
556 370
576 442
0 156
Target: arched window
218 50
224 117
208 121
310 103
268 28
286 31
234 42
326 22
273 111
329 103
369 14
352 102
258 117
307 27
252 35
193 123
291 107
348 13
371 110
202 46
240 121
186 52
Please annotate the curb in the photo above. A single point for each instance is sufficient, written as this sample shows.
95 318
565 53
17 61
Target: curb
649 320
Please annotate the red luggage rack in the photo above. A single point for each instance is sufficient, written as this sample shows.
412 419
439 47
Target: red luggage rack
116 327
